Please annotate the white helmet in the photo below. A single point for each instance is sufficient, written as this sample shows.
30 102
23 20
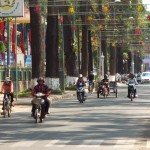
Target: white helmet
7 78
80 75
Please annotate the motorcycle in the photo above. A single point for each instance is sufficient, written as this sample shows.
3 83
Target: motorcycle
6 105
80 93
102 90
39 107
132 91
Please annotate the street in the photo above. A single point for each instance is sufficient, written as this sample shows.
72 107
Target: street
105 124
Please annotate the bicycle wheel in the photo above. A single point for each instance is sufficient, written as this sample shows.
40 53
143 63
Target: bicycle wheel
4 109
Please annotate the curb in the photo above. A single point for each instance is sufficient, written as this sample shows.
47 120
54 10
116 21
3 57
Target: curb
27 100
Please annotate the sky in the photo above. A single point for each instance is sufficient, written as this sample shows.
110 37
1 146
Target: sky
148 4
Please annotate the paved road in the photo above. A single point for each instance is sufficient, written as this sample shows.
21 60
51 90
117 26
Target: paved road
112 123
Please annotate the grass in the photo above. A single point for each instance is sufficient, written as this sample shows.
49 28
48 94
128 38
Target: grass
27 92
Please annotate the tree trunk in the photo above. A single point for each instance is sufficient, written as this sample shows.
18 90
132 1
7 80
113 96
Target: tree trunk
112 60
90 66
52 61
84 50
70 59
37 41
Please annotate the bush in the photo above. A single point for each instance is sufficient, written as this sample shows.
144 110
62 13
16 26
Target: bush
72 87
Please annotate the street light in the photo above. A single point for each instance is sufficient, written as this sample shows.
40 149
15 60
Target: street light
102 62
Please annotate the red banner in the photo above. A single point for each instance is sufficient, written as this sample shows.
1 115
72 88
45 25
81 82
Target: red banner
22 43
13 39
2 31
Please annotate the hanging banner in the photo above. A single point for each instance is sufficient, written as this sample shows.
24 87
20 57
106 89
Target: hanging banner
11 8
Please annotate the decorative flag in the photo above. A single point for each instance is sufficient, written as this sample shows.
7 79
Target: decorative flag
13 39
28 41
22 42
2 30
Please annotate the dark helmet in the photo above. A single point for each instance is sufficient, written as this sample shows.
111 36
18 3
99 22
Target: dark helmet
40 79
131 75
105 76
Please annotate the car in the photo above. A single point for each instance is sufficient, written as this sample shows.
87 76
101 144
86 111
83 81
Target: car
145 77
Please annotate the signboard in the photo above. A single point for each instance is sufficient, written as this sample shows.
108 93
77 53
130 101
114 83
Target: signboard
28 60
11 59
11 8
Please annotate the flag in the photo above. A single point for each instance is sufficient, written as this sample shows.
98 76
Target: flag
13 39
2 25
22 42
28 41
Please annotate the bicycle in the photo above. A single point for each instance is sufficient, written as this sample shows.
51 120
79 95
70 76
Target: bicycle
6 105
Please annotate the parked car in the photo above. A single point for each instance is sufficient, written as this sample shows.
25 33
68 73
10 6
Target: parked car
145 77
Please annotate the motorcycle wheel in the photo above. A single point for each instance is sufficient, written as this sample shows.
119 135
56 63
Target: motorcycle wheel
131 96
36 115
97 95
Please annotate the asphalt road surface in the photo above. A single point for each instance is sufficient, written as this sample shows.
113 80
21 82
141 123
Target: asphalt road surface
97 124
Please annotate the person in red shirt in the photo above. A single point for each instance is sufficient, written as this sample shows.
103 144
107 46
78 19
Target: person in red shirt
7 88
42 88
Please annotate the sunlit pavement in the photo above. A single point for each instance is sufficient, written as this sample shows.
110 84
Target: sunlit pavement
112 123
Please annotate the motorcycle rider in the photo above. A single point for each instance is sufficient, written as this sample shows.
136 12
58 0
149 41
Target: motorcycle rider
81 81
42 88
91 78
105 82
132 80
7 88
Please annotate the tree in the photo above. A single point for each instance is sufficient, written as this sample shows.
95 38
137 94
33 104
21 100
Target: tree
37 40
52 40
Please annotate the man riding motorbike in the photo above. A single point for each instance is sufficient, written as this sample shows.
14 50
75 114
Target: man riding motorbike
7 88
105 82
81 81
42 88
132 80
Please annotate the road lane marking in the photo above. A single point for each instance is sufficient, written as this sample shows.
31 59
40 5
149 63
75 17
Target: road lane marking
51 143
148 144
63 143
91 143
125 144
23 144
3 141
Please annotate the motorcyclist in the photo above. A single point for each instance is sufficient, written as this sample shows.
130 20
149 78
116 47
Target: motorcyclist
105 82
7 88
132 80
81 81
42 88
91 77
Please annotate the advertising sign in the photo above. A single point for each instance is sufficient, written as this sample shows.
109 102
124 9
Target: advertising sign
12 62
28 60
11 8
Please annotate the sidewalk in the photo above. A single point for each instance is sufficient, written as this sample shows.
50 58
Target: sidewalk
52 97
